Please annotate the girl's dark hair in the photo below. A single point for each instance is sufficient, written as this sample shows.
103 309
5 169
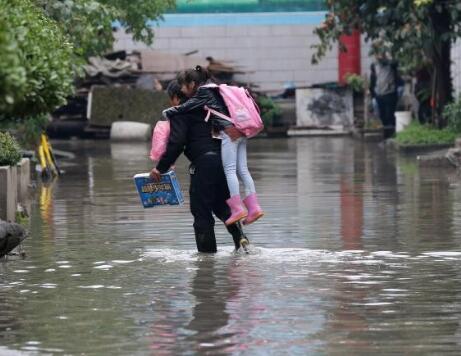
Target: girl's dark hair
199 75
174 89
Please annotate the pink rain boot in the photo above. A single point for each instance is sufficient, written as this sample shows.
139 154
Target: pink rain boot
237 210
254 210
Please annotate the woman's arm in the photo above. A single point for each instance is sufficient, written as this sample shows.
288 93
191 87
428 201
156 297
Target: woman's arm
175 146
199 100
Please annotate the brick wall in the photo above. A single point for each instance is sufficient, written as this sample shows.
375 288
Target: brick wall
272 54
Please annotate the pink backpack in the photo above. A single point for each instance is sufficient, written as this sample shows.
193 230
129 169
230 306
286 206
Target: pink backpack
243 110
159 139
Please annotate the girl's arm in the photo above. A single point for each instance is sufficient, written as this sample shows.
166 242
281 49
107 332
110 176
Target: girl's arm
199 100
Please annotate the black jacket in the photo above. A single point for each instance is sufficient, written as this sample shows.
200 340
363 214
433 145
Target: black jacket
205 96
189 133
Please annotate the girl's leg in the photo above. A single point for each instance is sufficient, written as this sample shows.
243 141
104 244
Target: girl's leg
251 199
242 168
229 161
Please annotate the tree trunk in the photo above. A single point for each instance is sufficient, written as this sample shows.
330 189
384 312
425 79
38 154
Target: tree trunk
442 84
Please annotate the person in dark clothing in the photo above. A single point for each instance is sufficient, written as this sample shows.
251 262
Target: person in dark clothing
196 84
385 82
189 133
423 88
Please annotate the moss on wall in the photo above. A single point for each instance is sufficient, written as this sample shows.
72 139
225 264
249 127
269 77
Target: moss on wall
109 104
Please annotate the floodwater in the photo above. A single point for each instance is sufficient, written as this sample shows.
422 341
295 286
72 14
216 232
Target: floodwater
359 252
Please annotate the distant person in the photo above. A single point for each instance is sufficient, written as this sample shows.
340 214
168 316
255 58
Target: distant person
193 84
423 94
208 188
385 84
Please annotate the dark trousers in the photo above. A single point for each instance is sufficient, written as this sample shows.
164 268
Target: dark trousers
208 194
387 105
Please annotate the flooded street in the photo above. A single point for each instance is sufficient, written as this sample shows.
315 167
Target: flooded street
359 252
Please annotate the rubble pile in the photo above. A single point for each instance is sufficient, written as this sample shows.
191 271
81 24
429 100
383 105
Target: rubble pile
124 86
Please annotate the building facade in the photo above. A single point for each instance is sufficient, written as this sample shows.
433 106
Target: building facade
270 40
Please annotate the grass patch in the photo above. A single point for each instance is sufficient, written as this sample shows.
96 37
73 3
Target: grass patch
417 134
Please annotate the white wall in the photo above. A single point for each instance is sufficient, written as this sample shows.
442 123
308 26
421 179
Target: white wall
456 67
272 52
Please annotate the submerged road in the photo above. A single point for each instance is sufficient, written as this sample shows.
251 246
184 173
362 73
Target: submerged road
359 252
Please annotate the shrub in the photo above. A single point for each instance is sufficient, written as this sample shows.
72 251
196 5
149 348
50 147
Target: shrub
356 82
452 114
270 111
36 61
417 134
12 74
10 152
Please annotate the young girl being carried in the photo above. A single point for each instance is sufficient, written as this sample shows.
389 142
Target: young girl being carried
196 84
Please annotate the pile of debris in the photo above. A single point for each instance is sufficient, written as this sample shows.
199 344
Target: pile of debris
124 86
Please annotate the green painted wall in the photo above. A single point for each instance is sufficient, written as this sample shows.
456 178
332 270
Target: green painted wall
212 6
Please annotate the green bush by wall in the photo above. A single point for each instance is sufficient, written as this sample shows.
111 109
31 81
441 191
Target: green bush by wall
10 152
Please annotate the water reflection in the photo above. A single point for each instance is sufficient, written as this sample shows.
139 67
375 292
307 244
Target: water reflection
46 203
211 289
351 214
358 253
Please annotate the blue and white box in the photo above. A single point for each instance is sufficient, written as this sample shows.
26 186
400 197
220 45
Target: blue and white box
165 192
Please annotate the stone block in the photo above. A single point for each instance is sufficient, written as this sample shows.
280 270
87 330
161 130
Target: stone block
458 142
130 131
161 43
110 104
203 31
237 31
8 193
23 179
302 30
281 30
167 32
435 161
260 31
270 76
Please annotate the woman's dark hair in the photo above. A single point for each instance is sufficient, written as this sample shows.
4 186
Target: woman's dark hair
174 89
199 75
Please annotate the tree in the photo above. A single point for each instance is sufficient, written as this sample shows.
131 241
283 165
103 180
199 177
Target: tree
89 22
36 67
419 33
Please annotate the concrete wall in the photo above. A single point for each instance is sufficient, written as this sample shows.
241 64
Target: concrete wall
8 193
274 48
14 183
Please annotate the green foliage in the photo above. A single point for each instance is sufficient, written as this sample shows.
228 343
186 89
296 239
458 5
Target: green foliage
27 131
452 114
356 82
416 33
417 134
373 123
36 73
10 152
406 27
135 15
12 74
270 111
89 22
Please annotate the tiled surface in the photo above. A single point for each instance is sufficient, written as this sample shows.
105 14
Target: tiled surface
271 54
